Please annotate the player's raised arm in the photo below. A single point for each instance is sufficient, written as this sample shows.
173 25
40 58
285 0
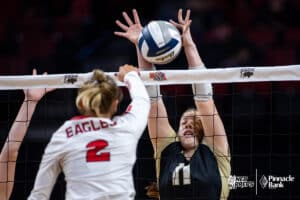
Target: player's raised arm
214 132
9 152
140 104
158 113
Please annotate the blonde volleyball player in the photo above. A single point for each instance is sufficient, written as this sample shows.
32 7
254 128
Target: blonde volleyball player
198 165
15 137
97 151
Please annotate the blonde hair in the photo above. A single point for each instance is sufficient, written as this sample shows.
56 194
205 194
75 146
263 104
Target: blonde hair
96 96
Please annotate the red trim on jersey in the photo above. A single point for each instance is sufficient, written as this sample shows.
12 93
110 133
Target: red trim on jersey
79 117
128 109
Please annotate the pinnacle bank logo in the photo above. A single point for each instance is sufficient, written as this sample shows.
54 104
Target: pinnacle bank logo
265 182
275 182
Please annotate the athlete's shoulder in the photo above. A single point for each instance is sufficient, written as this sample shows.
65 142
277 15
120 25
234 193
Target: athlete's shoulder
173 148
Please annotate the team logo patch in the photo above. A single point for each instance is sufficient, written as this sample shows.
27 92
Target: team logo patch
158 76
70 78
247 72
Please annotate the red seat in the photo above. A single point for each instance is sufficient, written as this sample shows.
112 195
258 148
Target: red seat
292 36
262 88
280 56
221 88
66 26
12 65
262 37
242 15
80 9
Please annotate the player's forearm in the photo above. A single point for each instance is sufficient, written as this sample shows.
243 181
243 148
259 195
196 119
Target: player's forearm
18 130
214 130
192 55
135 86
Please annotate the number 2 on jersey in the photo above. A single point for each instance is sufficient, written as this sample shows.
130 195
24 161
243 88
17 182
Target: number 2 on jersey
94 155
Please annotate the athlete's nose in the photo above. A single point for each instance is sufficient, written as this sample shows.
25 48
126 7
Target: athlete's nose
189 125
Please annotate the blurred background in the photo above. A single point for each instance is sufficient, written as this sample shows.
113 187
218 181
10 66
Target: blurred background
76 36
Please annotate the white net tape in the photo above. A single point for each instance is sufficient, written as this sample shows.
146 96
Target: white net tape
162 77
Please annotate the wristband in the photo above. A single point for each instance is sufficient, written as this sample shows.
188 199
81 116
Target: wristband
201 91
153 90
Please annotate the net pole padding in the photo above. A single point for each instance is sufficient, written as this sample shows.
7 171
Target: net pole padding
161 77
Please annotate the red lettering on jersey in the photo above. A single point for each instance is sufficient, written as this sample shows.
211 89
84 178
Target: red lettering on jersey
86 126
128 108
95 128
69 132
113 123
103 124
78 129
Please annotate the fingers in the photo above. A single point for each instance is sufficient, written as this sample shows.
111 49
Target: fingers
189 23
180 19
187 16
127 18
121 25
136 16
124 69
121 34
121 74
34 72
175 24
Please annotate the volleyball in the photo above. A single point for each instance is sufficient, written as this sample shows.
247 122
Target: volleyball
160 42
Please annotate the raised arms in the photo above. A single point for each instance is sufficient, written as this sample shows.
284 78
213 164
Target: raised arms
214 132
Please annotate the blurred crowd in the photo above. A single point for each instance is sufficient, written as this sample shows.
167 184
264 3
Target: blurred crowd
76 36
64 36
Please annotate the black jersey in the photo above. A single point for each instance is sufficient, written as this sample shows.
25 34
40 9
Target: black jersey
181 179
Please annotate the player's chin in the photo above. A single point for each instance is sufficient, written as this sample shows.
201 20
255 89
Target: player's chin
188 142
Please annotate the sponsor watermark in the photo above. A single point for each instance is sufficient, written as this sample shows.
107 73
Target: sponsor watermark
265 182
275 182
240 182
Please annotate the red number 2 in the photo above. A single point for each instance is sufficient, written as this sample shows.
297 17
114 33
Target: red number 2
93 154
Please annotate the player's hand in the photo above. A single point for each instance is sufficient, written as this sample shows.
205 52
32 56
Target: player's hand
124 69
184 26
37 93
132 29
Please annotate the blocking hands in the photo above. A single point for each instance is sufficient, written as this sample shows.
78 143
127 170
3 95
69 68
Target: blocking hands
132 28
37 93
124 69
184 24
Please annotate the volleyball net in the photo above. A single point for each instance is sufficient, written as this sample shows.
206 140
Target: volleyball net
259 106
161 77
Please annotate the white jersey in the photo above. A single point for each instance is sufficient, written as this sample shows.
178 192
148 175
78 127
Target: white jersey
96 154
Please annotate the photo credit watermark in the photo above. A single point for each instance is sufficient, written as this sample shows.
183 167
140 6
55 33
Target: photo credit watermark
270 181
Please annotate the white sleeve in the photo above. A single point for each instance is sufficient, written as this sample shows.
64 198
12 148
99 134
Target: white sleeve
48 171
138 110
